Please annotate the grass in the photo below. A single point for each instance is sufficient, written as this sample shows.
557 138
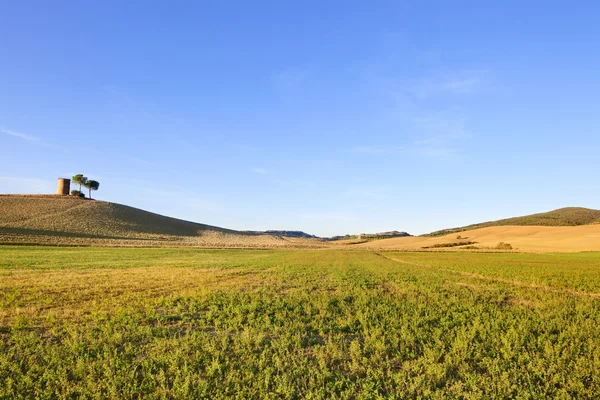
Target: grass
188 323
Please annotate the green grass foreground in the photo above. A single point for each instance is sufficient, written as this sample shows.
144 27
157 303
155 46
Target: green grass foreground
188 323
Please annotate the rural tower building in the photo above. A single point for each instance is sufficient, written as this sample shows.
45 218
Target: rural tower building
64 186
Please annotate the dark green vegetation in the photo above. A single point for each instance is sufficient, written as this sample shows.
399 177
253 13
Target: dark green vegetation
91 185
188 323
453 244
569 216
81 180
292 234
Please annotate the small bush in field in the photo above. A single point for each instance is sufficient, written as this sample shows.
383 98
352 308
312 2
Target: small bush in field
77 193
504 246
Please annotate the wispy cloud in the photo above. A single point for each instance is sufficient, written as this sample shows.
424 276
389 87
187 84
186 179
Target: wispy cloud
459 83
435 136
32 139
441 153
463 85
259 170
425 114
21 135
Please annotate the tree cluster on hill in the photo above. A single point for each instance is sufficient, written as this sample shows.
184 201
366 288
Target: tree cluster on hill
82 180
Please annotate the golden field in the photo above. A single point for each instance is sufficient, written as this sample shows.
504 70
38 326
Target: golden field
521 238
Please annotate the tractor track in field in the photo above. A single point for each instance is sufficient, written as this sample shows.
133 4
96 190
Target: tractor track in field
495 279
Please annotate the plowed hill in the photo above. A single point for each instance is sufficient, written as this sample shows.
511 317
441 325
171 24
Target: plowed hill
66 220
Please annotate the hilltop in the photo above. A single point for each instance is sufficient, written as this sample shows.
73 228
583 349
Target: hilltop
568 216
51 219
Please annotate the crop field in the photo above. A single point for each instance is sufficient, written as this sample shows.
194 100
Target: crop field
190 323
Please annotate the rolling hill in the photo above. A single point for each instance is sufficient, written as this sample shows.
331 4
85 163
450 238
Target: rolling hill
50 219
64 220
568 216
521 238
565 229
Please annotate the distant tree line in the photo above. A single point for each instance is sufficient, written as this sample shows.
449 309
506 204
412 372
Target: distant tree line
81 180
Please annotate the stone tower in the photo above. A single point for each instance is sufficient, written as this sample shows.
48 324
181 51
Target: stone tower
64 186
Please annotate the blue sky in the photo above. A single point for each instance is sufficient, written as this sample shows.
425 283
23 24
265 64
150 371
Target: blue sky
330 117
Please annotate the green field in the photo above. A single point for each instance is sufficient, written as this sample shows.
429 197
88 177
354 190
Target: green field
188 323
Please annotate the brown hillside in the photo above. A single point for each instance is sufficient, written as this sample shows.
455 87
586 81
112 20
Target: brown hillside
568 216
522 238
67 220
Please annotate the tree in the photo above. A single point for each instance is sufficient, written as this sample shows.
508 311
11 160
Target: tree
80 179
91 185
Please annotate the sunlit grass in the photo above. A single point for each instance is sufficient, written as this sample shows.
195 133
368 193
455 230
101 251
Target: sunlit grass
185 323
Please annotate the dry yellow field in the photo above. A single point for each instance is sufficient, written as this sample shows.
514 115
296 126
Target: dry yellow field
522 238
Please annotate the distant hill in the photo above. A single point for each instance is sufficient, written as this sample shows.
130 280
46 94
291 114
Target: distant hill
383 235
372 236
291 234
65 220
568 216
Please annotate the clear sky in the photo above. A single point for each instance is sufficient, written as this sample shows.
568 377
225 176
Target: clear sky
331 117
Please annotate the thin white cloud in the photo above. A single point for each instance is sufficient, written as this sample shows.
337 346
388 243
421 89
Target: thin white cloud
434 151
461 83
21 135
465 85
31 139
259 170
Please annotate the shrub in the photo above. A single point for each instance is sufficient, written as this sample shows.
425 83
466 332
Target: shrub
77 193
504 246
455 244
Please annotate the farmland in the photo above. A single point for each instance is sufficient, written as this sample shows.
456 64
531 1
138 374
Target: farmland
198 323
